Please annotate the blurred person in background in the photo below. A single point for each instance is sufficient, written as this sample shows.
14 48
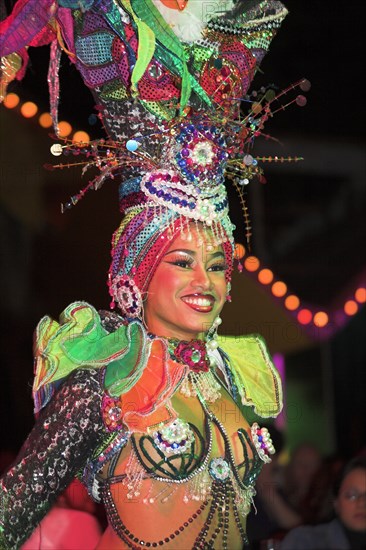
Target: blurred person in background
304 465
347 531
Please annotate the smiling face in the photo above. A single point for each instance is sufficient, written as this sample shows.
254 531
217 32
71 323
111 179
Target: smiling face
188 289
351 501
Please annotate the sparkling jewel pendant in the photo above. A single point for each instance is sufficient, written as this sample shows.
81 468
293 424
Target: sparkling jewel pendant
174 438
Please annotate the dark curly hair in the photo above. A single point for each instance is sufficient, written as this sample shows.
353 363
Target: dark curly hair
353 464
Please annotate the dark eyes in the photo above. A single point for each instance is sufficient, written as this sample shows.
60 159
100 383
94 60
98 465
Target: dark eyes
182 263
218 267
187 263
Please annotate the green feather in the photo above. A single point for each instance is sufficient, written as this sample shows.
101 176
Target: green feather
146 46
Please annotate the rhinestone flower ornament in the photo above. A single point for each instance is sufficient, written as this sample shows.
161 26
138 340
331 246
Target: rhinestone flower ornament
219 469
192 184
175 438
111 413
127 295
193 354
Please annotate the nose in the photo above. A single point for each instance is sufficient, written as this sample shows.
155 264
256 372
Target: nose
201 278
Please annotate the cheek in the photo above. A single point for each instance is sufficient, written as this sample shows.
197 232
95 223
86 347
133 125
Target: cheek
343 510
166 285
221 289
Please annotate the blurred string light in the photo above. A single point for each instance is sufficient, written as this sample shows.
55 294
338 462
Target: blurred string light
360 295
29 109
265 276
251 263
11 101
64 128
81 137
304 315
45 120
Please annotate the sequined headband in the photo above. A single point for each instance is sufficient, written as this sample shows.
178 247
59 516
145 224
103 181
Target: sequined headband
139 244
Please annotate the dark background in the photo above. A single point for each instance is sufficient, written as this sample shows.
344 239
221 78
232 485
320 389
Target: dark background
309 219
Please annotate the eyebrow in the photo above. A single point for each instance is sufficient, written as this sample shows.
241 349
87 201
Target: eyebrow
216 254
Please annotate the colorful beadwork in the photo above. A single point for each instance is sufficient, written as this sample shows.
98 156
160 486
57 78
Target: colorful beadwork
127 295
193 354
219 469
263 442
174 438
111 413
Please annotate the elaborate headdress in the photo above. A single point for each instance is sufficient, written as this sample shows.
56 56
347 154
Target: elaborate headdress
170 85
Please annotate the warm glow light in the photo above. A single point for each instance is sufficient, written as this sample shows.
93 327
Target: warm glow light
360 295
251 263
265 276
64 128
29 109
292 302
11 100
45 120
320 319
81 137
350 307
239 251
304 316
279 289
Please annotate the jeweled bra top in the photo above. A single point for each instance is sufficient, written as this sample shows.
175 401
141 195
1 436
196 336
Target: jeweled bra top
170 449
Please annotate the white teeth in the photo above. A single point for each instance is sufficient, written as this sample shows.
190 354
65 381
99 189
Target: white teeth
198 301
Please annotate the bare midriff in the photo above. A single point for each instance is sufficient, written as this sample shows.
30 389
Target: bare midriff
160 510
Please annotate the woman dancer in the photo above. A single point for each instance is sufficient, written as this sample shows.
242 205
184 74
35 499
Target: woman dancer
147 407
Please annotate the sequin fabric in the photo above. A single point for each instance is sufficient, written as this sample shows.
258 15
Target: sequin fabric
62 440
143 238
221 64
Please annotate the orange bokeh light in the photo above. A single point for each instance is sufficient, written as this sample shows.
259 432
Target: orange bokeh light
64 128
29 109
350 307
265 276
360 295
239 251
45 120
292 302
320 319
279 289
81 137
252 263
11 100
304 316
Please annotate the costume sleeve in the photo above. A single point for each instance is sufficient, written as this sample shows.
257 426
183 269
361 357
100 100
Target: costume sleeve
66 433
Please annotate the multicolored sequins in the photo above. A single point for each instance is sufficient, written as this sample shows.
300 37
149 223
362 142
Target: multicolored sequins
263 442
219 469
174 438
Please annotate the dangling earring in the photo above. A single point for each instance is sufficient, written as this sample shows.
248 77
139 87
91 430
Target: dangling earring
228 289
126 293
211 336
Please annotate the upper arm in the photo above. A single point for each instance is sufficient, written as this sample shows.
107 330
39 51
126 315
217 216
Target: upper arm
65 434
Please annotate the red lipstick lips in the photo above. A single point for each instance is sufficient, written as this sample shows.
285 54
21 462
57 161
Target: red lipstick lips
203 303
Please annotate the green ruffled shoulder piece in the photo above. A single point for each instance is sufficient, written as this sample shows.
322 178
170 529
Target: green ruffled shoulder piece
254 373
79 340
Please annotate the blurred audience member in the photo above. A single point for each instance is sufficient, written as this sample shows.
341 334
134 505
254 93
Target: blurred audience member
347 531
318 505
300 473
